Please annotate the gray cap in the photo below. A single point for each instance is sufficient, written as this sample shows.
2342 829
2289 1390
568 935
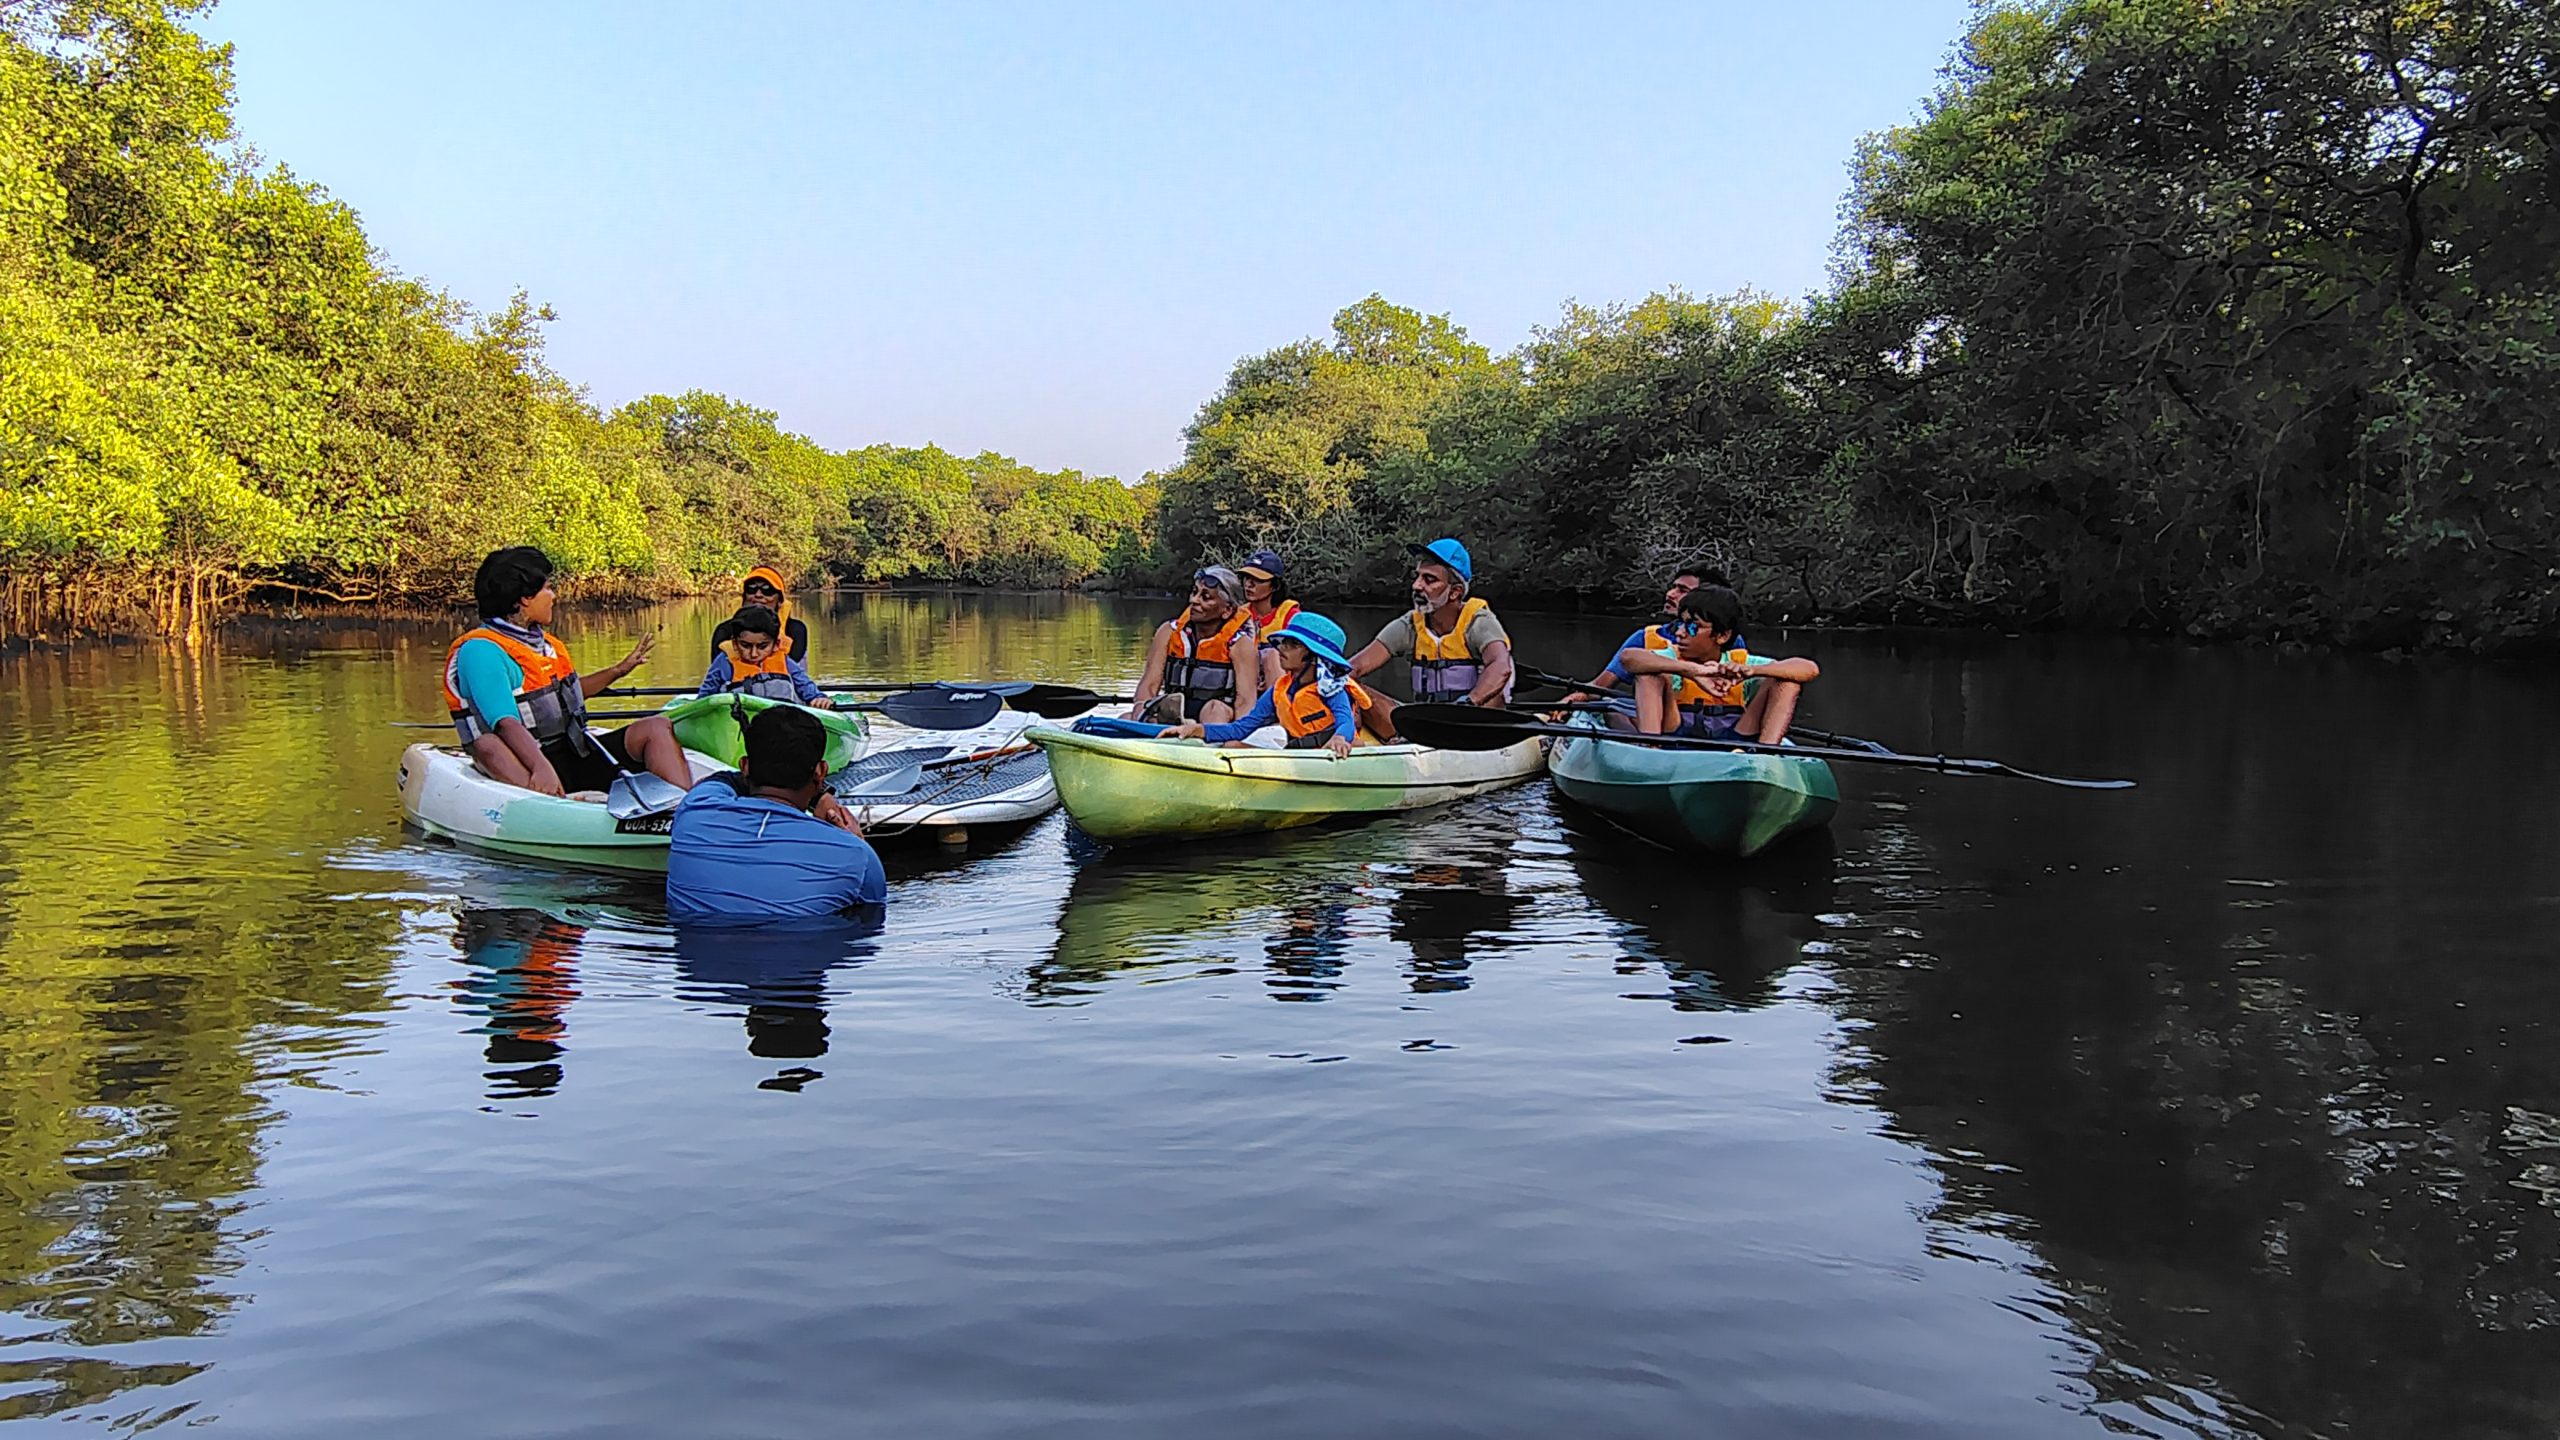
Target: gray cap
1222 577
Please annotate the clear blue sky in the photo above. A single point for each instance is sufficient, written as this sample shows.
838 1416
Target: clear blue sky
1049 229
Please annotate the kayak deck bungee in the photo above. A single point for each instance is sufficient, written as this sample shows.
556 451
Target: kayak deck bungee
1732 803
1123 789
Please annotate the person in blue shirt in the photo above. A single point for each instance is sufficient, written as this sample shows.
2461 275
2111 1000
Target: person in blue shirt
754 661
768 842
1316 702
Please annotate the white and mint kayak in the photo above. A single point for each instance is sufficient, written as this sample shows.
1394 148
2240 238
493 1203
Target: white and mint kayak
992 781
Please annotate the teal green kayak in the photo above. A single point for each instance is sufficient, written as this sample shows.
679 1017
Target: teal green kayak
1722 802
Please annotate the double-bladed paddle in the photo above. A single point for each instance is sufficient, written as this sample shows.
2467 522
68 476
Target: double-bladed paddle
934 708
1469 727
832 687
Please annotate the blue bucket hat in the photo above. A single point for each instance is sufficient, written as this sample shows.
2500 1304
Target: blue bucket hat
1318 634
1449 553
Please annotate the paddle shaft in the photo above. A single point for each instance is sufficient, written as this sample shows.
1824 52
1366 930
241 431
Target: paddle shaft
1552 680
830 686
1944 764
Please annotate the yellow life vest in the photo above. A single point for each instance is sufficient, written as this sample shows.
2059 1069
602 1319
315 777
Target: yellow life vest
1269 625
1445 671
1718 697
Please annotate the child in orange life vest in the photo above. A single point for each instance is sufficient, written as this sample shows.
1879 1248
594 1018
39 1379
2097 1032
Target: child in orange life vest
1700 688
754 661
1315 701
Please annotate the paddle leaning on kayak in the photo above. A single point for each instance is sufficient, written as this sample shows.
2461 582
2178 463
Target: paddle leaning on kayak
519 703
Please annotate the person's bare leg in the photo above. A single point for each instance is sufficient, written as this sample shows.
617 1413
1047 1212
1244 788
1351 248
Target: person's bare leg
499 763
1655 714
1770 712
653 746
1217 712
1380 717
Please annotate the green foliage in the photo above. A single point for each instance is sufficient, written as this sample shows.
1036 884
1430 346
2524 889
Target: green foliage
2229 316
207 385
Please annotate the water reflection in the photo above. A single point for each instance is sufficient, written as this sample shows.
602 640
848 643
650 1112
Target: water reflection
776 978
1437 887
1722 933
524 976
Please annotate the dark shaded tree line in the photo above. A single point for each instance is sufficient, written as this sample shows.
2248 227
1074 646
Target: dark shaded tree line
2229 318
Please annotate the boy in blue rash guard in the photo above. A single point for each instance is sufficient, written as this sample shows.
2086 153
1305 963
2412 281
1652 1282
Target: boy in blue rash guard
769 842
1315 701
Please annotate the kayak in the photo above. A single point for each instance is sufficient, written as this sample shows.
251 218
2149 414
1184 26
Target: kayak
443 793
1724 802
715 725
1125 789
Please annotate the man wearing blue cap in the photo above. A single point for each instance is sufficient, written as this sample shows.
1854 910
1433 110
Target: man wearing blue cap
1459 652
1315 701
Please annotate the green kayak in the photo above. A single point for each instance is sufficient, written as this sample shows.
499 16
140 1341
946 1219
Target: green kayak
715 725
1723 802
1128 789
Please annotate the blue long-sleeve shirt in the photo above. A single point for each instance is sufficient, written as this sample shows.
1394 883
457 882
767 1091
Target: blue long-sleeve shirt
1266 711
722 673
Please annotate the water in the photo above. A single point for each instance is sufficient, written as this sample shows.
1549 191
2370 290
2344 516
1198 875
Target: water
2227 1106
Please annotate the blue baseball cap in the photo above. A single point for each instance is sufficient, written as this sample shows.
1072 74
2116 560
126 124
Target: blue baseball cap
1449 553
1316 633
1263 564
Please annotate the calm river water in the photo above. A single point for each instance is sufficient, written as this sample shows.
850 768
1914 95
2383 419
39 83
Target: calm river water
2226 1106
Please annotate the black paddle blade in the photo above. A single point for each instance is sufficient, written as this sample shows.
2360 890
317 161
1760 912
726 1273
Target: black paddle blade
1053 702
940 708
1464 727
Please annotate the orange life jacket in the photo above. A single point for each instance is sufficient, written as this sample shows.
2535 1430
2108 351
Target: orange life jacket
769 677
548 702
1203 670
1305 712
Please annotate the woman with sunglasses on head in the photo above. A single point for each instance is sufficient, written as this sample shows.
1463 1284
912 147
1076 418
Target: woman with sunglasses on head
1204 664
763 586
1706 685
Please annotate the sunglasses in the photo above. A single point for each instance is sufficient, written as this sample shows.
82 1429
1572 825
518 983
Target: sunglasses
758 590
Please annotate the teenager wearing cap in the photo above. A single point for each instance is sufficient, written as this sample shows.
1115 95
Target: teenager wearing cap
763 586
1460 653
1203 664
1266 596
1315 701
